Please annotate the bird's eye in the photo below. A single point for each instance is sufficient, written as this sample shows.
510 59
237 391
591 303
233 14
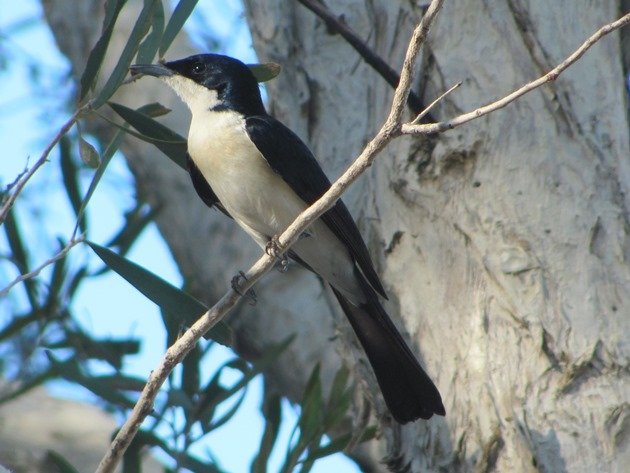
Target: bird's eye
198 68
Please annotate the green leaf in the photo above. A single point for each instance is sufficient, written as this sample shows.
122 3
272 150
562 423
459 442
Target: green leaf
190 371
56 282
18 323
112 9
180 14
164 294
140 29
88 153
60 464
72 371
155 109
339 400
108 154
148 48
265 72
228 414
334 446
70 174
19 256
111 351
25 385
170 143
271 410
312 406
136 220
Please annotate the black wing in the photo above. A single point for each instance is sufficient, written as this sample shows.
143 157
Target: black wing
202 187
290 157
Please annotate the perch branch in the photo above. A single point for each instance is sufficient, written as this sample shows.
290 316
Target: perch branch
176 353
390 129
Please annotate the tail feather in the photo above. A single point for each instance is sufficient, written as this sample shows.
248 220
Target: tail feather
408 391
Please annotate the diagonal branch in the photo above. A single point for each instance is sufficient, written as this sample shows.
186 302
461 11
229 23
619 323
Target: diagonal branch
31 274
177 352
337 25
24 177
390 129
551 76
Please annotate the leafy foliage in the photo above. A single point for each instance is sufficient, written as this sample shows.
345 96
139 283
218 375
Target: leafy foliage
41 340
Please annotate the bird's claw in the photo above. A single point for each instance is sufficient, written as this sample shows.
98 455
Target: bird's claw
272 248
250 295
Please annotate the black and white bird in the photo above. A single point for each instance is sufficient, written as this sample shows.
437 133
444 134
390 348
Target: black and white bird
257 171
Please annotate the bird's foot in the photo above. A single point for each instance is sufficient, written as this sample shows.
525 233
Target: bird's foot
272 248
250 295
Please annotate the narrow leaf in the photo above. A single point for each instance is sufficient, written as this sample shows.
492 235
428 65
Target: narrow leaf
180 14
332 447
312 404
108 154
271 410
59 463
140 29
112 9
164 294
155 109
71 370
136 220
265 72
171 144
148 48
19 256
88 153
70 175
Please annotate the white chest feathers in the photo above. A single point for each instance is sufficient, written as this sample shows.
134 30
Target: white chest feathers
256 196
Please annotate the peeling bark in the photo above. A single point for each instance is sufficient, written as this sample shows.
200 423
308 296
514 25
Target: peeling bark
503 244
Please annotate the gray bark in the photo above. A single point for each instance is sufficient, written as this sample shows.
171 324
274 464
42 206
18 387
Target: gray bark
503 244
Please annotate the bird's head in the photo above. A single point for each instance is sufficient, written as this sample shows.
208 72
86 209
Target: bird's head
209 82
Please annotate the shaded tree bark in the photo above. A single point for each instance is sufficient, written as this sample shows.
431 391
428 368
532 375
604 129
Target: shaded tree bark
503 244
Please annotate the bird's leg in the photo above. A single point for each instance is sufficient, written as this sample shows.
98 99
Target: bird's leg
250 295
272 248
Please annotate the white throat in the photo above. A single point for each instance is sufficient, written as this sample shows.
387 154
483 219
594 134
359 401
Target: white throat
198 98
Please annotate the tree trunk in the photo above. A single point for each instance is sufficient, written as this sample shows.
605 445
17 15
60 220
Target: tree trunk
503 244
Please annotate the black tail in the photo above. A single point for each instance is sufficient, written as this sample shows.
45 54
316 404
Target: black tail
408 391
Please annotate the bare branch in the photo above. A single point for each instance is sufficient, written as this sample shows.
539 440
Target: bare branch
31 274
176 353
337 25
24 178
422 114
411 128
391 129
404 86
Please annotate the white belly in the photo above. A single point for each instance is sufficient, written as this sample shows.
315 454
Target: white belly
259 199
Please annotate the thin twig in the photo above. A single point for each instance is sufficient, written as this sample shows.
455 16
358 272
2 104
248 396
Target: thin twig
337 25
10 200
391 128
424 112
176 353
31 274
551 76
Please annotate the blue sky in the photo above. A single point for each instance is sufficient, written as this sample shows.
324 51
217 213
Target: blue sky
30 114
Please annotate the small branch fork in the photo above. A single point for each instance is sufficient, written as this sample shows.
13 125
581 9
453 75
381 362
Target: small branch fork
24 178
392 128
31 274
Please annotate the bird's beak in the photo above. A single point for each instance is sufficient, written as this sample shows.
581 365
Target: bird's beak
155 70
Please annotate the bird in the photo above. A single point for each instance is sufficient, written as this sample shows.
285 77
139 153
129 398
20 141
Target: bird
257 171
